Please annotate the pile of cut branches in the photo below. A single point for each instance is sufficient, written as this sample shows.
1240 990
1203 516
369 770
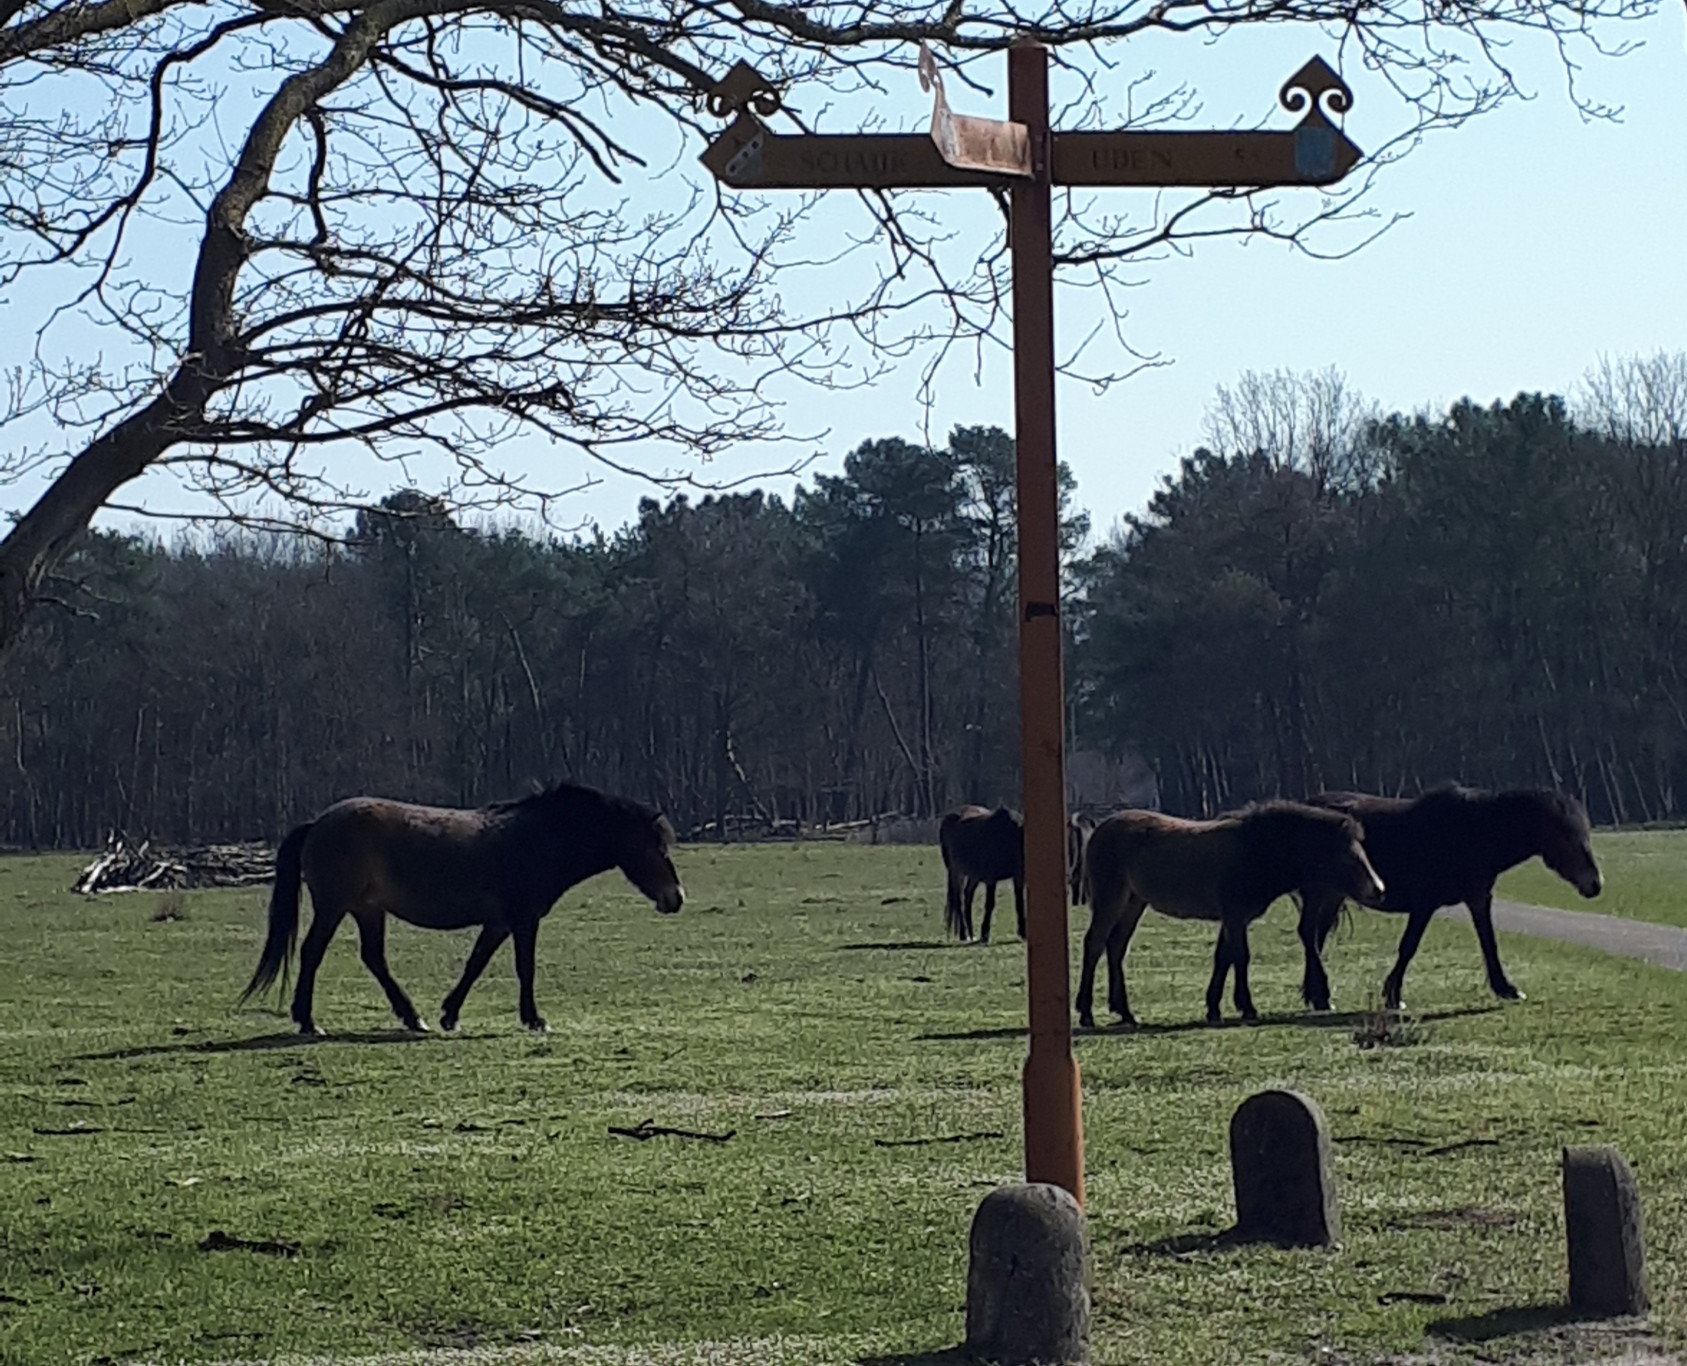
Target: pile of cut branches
126 866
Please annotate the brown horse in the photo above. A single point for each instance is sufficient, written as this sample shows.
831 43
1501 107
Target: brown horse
1444 847
501 867
1229 870
981 846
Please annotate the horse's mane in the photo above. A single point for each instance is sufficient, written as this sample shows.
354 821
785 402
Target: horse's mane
1556 805
550 795
563 794
1282 806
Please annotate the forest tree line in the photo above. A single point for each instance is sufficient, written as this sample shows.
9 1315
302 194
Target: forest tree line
1320 596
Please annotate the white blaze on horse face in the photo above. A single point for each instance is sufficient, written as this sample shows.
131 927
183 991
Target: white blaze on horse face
1371 889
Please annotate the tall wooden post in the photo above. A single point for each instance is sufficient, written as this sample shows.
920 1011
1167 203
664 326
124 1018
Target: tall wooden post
1054 1132
1025 157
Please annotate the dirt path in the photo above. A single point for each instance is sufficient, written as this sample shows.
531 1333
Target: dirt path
1663 945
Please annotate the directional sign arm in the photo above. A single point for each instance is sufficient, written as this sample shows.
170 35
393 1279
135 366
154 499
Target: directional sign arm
749 155
1308 155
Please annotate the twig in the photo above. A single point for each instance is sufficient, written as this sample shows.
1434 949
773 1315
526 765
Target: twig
650 1129
939 1138
1463 1144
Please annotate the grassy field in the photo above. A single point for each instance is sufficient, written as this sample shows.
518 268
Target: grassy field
183 1182
1645 878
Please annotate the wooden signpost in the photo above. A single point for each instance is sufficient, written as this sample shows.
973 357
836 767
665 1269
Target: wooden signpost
1025 157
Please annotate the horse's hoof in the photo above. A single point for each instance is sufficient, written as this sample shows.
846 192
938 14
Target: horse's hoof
537 1026
1086 1021
416 1026
1509 993
309 1029
448 1024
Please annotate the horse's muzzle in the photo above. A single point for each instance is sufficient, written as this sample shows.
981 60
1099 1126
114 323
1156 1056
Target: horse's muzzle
1371 893
1589 884
670 900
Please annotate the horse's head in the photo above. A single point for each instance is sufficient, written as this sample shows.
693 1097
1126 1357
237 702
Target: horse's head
1566 844
643 856
1349 867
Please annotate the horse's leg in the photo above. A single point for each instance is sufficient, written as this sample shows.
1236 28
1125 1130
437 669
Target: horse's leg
1118 942
323 922
526 936
372 933
491 938
1221 970
1315 982
1409 942
1482 916
1239 959
989 912
968 891
1019 903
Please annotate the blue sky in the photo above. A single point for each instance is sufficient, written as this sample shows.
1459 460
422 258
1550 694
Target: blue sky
1535 242
1532 242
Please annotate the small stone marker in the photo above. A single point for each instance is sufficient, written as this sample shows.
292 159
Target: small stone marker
1028 1278
1602 1226
1285 1183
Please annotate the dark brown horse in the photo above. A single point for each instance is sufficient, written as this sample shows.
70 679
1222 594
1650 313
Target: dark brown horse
1229 870
501 867
981 846
1444 847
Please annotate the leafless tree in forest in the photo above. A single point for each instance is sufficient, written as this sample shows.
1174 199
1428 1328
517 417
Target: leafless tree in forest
247 235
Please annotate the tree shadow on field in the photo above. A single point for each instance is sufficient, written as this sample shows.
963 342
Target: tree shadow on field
1333 1019
260 1043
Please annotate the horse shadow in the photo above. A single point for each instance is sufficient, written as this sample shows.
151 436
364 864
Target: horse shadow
899 946
1329 1019
259 1043
948 1356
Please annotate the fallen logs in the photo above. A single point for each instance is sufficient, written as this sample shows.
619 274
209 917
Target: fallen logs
126 866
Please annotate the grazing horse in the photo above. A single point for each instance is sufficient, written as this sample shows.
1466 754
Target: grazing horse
1444 847
981 846
1229 869
501 867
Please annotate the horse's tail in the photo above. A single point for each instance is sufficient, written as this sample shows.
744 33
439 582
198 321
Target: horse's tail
277 958
952 920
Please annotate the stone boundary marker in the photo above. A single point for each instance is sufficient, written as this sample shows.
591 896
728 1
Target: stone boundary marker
1285 1180
1603 1229
1028 1278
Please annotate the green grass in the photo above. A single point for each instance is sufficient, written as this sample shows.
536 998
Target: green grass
1645 878
466 1191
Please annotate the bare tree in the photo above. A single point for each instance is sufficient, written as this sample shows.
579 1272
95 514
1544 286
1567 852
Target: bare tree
1312 423
251 232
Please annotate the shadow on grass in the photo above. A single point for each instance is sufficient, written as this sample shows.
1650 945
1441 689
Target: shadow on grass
952 1356
260 1043
1504 1322
1335 1019
902 946
1184 1245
